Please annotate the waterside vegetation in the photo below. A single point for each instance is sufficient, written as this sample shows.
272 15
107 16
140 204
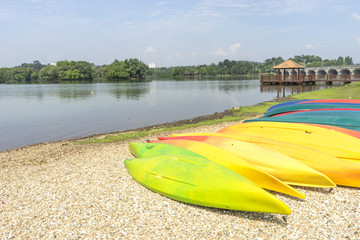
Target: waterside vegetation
74 71
134 69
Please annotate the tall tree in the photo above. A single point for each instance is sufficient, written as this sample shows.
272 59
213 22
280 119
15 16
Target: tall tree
118 71
5 75
49 73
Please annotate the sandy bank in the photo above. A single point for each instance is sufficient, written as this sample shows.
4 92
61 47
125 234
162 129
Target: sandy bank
73 191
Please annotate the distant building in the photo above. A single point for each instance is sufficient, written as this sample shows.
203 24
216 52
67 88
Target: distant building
151 65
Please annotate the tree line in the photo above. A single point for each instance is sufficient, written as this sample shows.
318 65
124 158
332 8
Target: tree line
228 67
74 71
135 69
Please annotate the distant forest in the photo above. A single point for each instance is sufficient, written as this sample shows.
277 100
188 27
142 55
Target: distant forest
134 69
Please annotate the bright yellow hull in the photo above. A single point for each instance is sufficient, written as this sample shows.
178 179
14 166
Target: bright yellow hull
280 166
329 141
341 172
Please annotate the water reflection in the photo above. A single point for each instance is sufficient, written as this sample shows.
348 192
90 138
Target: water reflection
77 92
130 91
73 93
285 90
123 90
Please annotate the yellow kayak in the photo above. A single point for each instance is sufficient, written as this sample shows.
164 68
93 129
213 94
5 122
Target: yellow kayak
219 156
199 181
282 167
341 172
329 141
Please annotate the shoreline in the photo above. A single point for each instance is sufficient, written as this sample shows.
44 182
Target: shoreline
66 190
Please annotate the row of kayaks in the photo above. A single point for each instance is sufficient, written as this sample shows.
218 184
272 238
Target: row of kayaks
343 113
234 167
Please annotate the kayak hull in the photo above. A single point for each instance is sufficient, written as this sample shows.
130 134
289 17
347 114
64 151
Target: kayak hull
196 180
341 172
219 156
314 101
332 142
344 119
310 106
240 156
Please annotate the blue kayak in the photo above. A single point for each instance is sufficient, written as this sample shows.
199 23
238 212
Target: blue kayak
288 103
316 101
337 118
310 106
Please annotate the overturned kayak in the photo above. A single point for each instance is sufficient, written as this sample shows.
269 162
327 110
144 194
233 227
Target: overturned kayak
289 103
282 167
332 142
345 119
341 172
236 164
338 129
350 101
292 108
318 101
315 111
199 181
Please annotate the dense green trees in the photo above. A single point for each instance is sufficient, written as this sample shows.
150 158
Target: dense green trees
17 75
135 69
117 71
49 73
79 70
316 61
123 70
74 71
5 75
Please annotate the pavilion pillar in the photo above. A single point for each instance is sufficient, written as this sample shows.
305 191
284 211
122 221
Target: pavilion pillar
298 74
284 74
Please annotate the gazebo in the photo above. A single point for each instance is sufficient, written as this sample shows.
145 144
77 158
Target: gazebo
289 64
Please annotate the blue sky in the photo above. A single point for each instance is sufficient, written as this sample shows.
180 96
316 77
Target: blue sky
176 33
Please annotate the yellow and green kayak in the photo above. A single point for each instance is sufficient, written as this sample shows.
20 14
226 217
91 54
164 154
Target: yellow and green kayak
219 156
282 167
197 180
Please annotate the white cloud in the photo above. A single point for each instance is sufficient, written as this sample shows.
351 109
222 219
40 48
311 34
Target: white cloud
309 46
231 51
234 48
356 16
219 52
358 40
150 49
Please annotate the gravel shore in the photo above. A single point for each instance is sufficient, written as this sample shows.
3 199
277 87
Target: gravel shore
69 191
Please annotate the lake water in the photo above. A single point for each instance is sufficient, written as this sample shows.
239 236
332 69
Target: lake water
36 113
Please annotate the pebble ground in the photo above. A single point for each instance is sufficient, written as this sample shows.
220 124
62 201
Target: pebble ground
68 191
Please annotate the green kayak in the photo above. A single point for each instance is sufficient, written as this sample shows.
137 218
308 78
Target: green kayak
237 163
199 181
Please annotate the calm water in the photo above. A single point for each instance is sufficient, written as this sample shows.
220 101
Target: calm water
47 112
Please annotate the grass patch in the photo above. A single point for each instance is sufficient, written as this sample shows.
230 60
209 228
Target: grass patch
351 91
344 92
